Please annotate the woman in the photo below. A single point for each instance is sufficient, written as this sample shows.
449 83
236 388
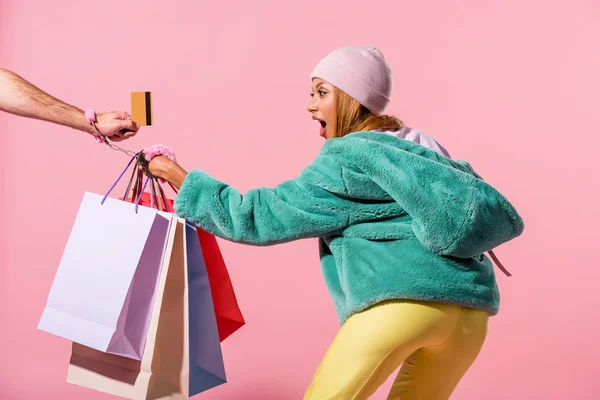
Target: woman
402 229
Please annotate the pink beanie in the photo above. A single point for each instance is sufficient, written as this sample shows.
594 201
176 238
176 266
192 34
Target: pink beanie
361 72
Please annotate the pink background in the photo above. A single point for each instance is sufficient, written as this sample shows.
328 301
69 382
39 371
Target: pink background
510 86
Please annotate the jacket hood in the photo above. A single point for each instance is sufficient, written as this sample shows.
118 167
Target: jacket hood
454 211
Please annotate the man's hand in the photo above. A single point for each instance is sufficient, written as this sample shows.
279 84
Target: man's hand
116 126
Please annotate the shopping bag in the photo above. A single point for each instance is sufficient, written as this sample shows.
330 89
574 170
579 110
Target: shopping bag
206 359
103 290
227 310
183 353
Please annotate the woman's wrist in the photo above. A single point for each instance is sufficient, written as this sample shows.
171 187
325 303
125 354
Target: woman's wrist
175 174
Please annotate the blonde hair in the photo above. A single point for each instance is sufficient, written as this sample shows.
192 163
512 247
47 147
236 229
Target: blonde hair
354 117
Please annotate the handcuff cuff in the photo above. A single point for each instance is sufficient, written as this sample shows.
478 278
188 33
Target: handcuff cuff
141 160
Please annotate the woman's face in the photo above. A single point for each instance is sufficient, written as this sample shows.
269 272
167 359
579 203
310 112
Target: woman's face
322 107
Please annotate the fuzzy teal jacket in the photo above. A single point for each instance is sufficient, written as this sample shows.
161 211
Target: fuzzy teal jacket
395 220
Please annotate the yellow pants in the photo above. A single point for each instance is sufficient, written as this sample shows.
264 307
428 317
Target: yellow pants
435 343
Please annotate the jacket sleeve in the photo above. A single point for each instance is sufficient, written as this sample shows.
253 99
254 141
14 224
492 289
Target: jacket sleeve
455 213
312 205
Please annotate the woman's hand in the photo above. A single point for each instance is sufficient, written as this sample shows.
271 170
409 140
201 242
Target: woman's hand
167 169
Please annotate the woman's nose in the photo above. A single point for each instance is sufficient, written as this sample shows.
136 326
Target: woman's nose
312 105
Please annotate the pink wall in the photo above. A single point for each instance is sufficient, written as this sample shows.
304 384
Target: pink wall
511 86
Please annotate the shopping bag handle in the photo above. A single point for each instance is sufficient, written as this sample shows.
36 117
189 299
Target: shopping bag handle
156 185
157 194
139 197
119 178
173 187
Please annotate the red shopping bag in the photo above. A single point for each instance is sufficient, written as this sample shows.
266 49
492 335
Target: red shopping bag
228 313
229 316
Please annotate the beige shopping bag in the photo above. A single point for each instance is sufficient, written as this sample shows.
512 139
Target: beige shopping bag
163 372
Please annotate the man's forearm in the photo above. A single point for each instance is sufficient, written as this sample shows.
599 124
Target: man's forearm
17 96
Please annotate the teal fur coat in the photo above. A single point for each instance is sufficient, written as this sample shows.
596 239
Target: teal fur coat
395 220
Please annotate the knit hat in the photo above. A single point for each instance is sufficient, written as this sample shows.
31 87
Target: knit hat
361 72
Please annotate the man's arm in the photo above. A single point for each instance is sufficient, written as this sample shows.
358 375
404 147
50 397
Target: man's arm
19 97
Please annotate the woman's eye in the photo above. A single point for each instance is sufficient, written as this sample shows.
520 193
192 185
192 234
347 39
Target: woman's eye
312 95
322 93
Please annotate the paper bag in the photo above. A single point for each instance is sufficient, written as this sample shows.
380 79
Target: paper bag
183 354
103 290
227 310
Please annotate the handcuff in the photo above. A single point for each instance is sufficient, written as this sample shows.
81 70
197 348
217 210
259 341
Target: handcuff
141 160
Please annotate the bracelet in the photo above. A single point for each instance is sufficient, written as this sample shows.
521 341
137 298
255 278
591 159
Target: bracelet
90 115
159 150
149 153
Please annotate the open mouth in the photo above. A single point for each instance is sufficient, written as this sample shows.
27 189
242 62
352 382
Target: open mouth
323 124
